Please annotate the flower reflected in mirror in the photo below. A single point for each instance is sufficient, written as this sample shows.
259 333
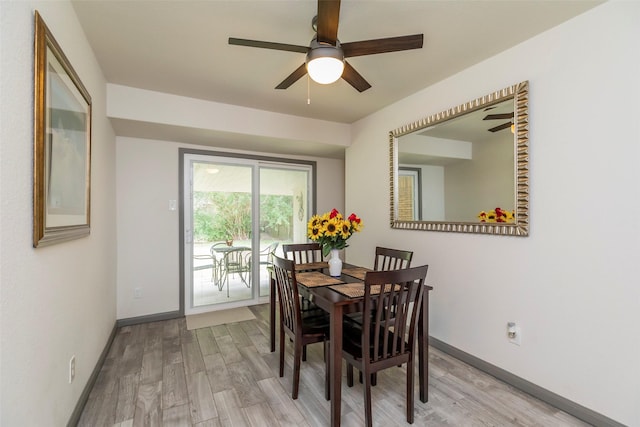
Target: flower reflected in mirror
497 215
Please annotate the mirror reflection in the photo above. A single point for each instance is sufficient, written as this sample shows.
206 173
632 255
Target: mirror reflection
452 170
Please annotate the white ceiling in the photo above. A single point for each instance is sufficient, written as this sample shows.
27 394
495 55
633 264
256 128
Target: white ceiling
181 47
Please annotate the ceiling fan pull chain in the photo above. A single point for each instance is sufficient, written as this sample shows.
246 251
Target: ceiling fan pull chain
308 90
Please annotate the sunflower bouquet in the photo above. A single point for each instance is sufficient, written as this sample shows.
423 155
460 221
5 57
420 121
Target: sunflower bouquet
496 215
332 230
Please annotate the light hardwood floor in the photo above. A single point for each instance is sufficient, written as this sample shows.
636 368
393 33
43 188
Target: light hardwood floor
162 374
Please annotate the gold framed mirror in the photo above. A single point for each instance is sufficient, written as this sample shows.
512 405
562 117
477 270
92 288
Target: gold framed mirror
472 167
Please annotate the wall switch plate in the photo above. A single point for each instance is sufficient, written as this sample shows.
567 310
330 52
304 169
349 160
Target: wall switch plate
172 205
137 293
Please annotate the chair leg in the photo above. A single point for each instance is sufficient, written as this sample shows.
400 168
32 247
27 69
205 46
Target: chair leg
374 378
367 401
281 351
410 401
304 353
350 375
296 369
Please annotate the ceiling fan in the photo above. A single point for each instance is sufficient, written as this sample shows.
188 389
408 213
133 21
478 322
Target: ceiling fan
503 116
325 61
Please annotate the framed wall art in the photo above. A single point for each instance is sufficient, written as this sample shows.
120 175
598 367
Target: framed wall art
62 145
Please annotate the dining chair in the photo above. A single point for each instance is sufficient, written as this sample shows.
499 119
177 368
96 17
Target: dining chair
303 253
300 328
387 336
385 259
391 259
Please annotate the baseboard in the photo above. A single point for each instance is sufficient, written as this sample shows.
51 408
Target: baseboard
84 397
149 318
566 405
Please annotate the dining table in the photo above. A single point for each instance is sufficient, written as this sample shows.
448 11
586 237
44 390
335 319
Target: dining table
342 295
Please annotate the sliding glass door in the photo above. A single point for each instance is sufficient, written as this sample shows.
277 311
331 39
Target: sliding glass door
237 213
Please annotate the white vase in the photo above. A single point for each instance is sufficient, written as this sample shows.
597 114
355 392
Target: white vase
335 264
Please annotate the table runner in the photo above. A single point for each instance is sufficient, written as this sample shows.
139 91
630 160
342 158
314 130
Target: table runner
312 279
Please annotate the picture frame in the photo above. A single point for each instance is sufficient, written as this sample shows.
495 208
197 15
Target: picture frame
62 145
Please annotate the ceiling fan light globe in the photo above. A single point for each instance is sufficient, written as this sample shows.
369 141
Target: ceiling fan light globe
325 70
325 63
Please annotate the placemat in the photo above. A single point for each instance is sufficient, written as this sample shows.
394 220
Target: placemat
312 279
356 290
357 272
311 266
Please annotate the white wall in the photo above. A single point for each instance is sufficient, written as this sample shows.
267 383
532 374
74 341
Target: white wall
433 194
55 301
572 285
148 233
487 180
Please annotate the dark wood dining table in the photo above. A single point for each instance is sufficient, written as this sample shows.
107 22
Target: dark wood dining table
337 304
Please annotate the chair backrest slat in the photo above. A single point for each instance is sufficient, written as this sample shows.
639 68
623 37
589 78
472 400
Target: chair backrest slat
389 313
392 259
303 253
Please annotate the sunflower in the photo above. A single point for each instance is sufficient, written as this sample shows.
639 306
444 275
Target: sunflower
332 227
315 222
314 233
345 229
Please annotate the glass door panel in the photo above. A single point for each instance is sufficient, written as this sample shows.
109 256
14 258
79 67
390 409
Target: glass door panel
222 230
284 205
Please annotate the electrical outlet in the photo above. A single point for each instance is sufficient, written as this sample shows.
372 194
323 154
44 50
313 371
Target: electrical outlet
514 333
137 293
72 368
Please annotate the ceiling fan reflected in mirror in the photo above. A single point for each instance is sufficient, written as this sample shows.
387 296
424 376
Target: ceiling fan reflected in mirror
325 60
505 125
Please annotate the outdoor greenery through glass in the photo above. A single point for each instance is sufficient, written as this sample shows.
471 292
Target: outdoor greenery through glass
224 216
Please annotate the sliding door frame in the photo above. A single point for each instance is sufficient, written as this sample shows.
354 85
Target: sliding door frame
182 152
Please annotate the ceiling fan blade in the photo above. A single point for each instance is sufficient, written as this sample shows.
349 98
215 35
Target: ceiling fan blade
351 76
498 116
268 45
500 127
327 24
391 44
293 77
